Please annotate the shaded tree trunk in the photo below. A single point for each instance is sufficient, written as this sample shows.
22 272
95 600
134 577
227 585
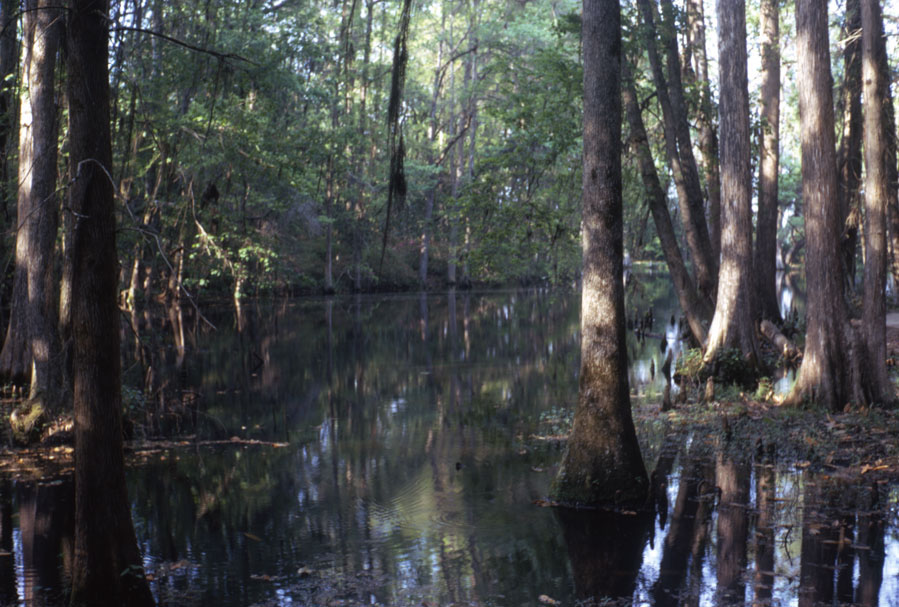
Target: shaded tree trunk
849 159
732 325
107 568
708 135
8 61
696 308
765 260
679 150
824 376
430 197
602 464
879 193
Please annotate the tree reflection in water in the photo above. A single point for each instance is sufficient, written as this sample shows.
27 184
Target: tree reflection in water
411 467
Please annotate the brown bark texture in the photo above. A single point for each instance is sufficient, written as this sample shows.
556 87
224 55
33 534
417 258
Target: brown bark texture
880 192
695 307
849 159
107 567
765 260
32 338
732 325
824 376
602 465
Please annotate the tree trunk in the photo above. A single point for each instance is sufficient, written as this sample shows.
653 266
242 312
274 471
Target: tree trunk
680 155
695 307
765 261
732 325
602 463
107 568
824 376
8 61
433 127
35 288
879 192
849 160
708 135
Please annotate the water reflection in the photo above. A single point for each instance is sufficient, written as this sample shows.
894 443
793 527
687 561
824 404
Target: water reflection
419 431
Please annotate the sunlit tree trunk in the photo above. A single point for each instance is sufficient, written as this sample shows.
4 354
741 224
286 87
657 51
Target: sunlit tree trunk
107 568
732 325
824 376
879 192
765 260
602 464
32 338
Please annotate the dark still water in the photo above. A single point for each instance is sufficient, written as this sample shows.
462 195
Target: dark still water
389 450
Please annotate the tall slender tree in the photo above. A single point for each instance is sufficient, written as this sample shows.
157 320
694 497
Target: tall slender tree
678 148
602 464
708 134
9 53
849 155
765 259
879 192
695 307
107 568
732 325
32 334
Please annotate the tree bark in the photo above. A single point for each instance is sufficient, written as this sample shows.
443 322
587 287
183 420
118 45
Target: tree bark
849 159
107 567
602 464
879 192
708 135
765 260
32 337
732 325
824 376
8 60
695 307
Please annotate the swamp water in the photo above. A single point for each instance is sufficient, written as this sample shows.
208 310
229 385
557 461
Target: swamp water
390 452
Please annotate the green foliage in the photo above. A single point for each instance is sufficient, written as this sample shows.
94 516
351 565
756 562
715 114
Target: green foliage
246 159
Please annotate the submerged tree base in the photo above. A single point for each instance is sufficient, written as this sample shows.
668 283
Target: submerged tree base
630 491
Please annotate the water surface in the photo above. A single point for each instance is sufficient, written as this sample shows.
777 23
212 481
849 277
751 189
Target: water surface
389 450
